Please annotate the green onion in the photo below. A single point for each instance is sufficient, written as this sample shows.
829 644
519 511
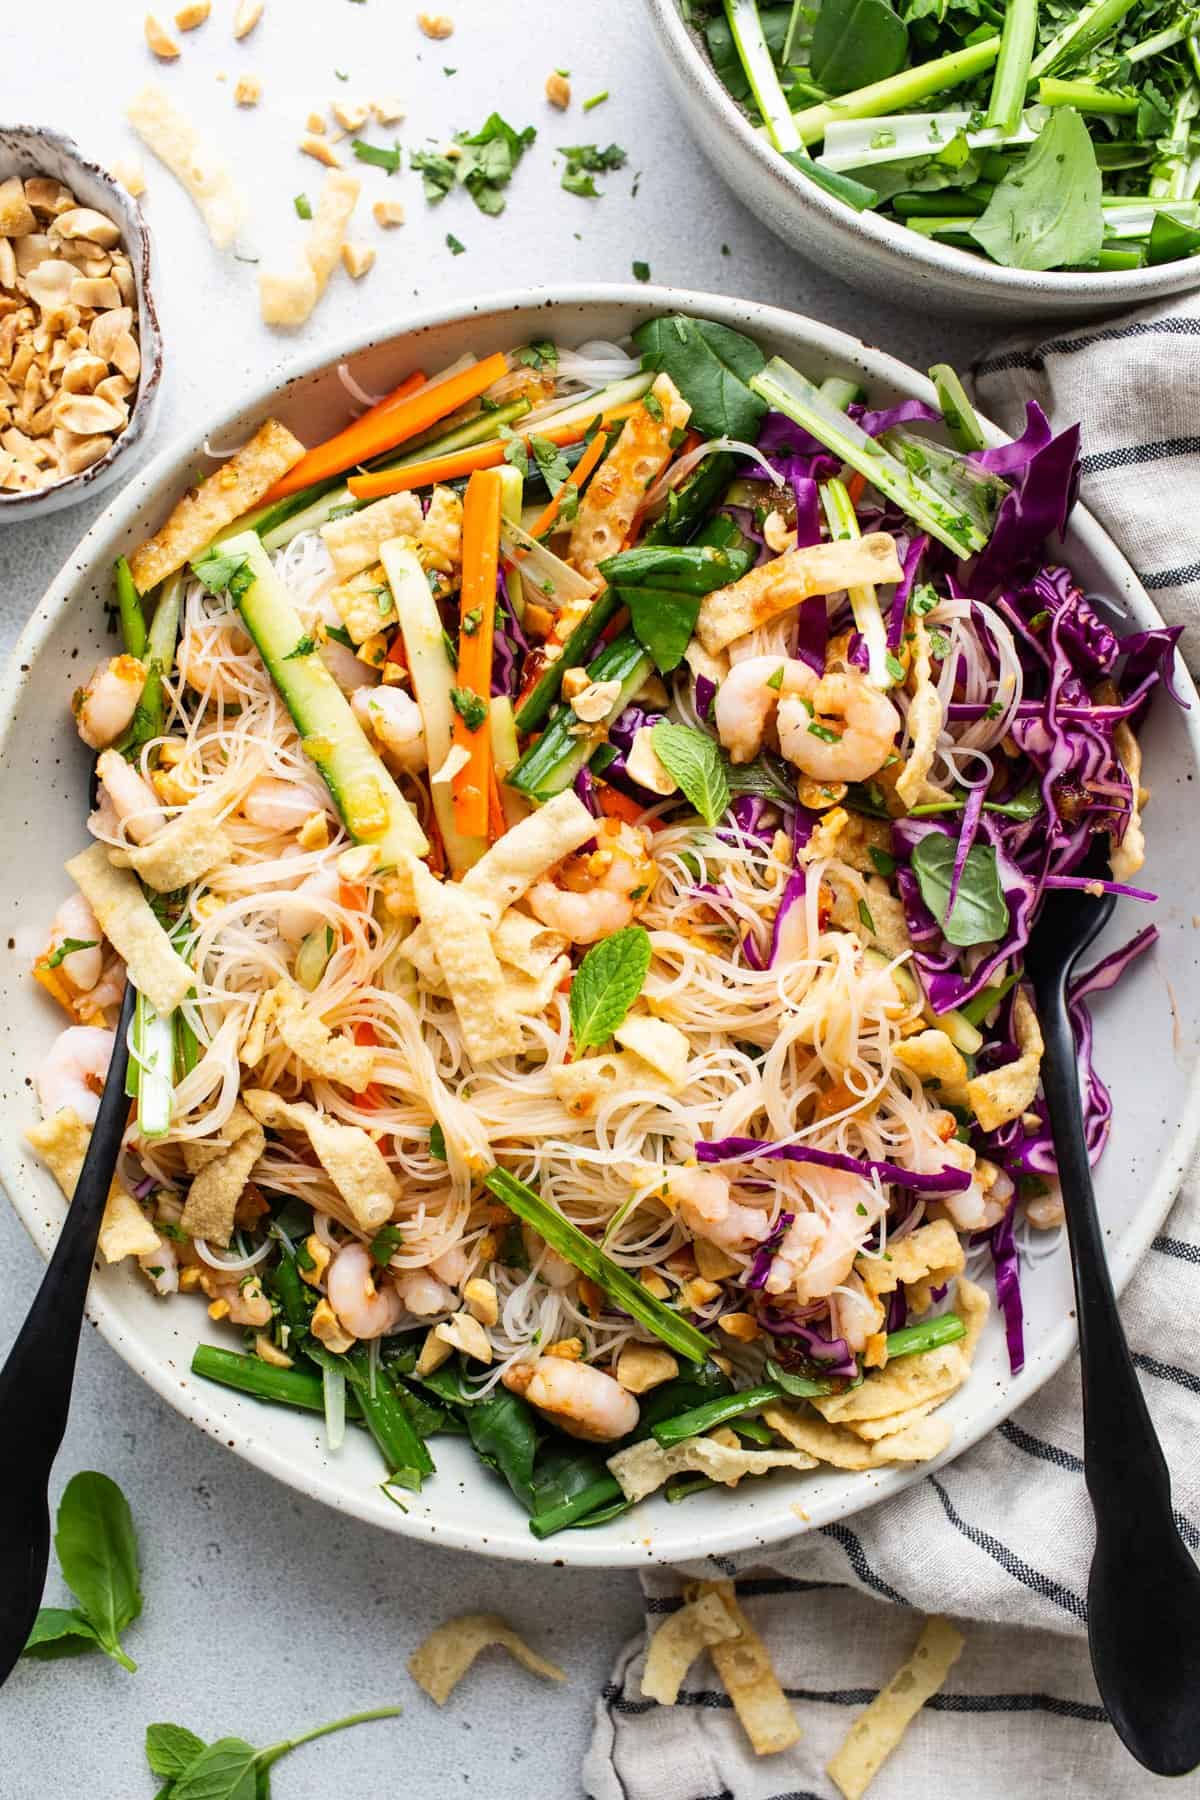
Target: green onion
899 91
957 411
250 1375
930 1334
1011 75
618 1283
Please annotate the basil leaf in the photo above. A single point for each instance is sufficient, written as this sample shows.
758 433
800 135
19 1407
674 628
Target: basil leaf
226 1770
1047 214
663 585
504 1434
170 1749
980 913
606 984
694 760
59 1632
97 1552
856 42
711 366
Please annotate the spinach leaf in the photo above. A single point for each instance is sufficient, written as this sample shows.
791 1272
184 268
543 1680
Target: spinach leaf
504 1434
97 1552
711 366
856 42
57 1632
724 54
1047 213
693 758
562 1472
980 913
663 586
606 984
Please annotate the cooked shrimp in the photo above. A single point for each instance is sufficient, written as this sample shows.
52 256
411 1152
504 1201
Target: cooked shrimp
819 1247
133 800
709 1211
749 695
349 671
366 1311
243 1296
599 891
843 730
854 1314
295 919
72 1071
423 1294
582 1401
207 659
105 706
395 720
1045 1211
989 1196
279 805
451 1265
552 1268
75 921
110 989
162 1266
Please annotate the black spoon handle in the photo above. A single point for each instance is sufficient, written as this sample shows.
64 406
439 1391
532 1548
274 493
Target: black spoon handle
35 1383
1143 1613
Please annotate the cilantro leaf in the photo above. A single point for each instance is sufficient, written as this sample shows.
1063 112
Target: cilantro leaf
67 948
437 1142
303 206
223 574
437 171
384 1245
378 155
540 355
606 984
694 760
583 162
454 245
554 467
470 708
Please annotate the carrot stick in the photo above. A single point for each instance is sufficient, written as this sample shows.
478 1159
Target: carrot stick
463 462
477 620
497 823
579 474
389 424
616 805
352 896
855 487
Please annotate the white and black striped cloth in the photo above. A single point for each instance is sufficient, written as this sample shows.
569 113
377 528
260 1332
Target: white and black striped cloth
1001 1538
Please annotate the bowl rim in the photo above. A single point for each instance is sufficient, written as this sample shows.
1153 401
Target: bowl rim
25 505
217 1410
956 268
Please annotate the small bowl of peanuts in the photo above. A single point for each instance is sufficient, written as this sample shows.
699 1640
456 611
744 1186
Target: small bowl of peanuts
80 351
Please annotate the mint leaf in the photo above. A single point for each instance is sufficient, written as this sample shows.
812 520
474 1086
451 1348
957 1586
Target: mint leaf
226 1770
694 760
606 984
980 913
97 1552
170 1749
1047 213
59 1632
223 574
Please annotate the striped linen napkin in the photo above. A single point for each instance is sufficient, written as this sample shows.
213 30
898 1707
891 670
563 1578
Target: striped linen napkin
1002 1537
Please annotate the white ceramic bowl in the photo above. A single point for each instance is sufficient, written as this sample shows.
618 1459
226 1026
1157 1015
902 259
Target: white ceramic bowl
33 150
866 249
43 801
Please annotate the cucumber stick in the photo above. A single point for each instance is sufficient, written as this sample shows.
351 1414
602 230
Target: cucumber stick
373 809
432 679
512 501
552 764
506 754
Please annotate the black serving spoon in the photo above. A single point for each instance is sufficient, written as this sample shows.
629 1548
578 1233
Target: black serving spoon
1144 1588
35 1383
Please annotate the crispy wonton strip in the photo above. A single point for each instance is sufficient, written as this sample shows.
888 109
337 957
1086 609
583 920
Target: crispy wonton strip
934 1250
321 1050
924 724
730 612
224 496
749 1679
61 1141
123 914
440 1663
677 1643
354 542
172 137
908 1380
289 299
181 852
351 1159
1007 1092
214 1194
913 1440
877 1731
583 1086
617 491
644 1467
472 972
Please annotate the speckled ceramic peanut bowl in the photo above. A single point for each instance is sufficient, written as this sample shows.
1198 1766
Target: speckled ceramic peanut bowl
866 249
1144 1028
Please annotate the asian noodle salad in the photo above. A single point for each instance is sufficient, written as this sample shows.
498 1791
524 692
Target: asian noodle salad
572 836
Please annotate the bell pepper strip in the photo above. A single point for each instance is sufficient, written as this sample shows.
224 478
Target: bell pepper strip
465 462
477 620
391 423
579 474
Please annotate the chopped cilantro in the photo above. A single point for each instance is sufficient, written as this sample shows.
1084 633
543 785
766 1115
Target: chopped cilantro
223 574
472 621
437 172
304 647
377 154
894 667
553 465
884 861
864 914
653 406
472 710
823 732
451 649
540 355
384 1245
68 947
303 206
454 245
584 161
437 1142
516 450
641 271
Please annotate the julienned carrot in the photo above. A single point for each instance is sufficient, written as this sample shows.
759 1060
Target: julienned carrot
579 474
466 462
616 805
855 487
388 425
497 823
477 620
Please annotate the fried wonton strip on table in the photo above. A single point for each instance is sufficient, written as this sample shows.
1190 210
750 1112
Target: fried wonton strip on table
61 1141
749 1679
218 501
123 914
440 1663
677 1643
289 299
877 1731
730 612
349 1156
203 175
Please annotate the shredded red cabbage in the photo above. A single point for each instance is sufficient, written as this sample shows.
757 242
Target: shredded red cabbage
905 412
911 564
1006 1265
782 933
760 1268
834 1355
733 1149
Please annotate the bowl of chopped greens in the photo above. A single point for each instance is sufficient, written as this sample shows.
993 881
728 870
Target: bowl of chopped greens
1004 159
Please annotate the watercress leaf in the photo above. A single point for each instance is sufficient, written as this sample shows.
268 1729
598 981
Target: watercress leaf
606 984
226 1770
504 1433
97 1552
170 1749
57 1632
856 42
694 760
980 913
1047 213
711 366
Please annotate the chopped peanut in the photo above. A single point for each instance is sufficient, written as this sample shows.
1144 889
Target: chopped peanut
314 833
483 1302
698 1292
246 17
351 115
740 1325
462 1332
436 25
248 91
320 151
321 1256
388 213
434 1352
389 112
161 43
558 91
568 1349
357 260
194 14
270 1352
327 1328
654 1284
315 122
641 1367
130 175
